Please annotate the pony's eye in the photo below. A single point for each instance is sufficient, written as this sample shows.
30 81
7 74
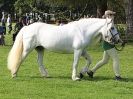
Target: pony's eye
112 28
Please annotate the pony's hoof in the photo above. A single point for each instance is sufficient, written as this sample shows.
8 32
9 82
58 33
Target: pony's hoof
76 79
45 76
44 73
14 75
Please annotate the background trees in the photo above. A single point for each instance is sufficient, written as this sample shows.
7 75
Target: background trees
129 17
73 9
7 5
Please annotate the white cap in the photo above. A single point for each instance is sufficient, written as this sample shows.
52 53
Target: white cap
109 12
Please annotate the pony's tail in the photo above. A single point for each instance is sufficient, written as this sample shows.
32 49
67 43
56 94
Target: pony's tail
15 55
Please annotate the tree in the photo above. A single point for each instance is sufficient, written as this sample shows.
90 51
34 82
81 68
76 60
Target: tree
101 7
65 8
22 6
7 6
129 17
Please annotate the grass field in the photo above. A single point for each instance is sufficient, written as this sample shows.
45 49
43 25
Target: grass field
30 85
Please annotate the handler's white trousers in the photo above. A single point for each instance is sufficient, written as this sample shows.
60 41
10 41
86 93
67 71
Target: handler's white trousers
106 55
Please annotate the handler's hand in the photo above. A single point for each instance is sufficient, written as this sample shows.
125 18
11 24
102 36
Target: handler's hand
123 44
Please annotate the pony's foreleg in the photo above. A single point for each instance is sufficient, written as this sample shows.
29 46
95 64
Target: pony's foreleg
43 71
77 54
85 69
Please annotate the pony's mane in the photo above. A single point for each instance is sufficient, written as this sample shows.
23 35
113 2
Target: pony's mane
90 19
86 20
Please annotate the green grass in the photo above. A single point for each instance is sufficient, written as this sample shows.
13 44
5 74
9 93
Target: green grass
30 85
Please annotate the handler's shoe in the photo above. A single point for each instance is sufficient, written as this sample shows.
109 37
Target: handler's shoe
118 78
90 73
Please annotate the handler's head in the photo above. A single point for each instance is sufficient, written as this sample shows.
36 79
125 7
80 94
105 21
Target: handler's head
109 14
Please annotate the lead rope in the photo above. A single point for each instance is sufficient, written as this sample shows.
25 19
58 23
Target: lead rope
122 47
123 44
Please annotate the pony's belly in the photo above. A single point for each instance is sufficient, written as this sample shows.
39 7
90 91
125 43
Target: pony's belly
58 45
60 50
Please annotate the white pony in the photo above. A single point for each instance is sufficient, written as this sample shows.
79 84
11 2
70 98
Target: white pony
73 37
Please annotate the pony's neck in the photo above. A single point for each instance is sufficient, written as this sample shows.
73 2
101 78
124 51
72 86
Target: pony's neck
96 30
94 26
90 28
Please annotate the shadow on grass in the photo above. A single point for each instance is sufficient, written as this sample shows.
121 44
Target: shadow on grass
85 78
97 78
127 80
9 45
103 78
63 77
40 77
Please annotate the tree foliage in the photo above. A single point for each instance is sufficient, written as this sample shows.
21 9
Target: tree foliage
129 17
7 5
22 6
73 9
64 7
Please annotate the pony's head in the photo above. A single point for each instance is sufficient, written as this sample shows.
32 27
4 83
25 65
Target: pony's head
110 33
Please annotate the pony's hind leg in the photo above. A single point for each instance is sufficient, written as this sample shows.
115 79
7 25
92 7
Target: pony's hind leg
43 71
26 50
15 55
85 69
14 72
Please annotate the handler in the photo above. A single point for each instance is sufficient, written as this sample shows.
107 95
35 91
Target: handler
109 51
17 28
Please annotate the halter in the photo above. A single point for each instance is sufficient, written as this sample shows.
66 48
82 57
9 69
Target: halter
113 38
113 35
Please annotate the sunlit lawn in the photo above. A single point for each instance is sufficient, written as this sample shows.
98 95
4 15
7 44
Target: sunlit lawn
30 85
